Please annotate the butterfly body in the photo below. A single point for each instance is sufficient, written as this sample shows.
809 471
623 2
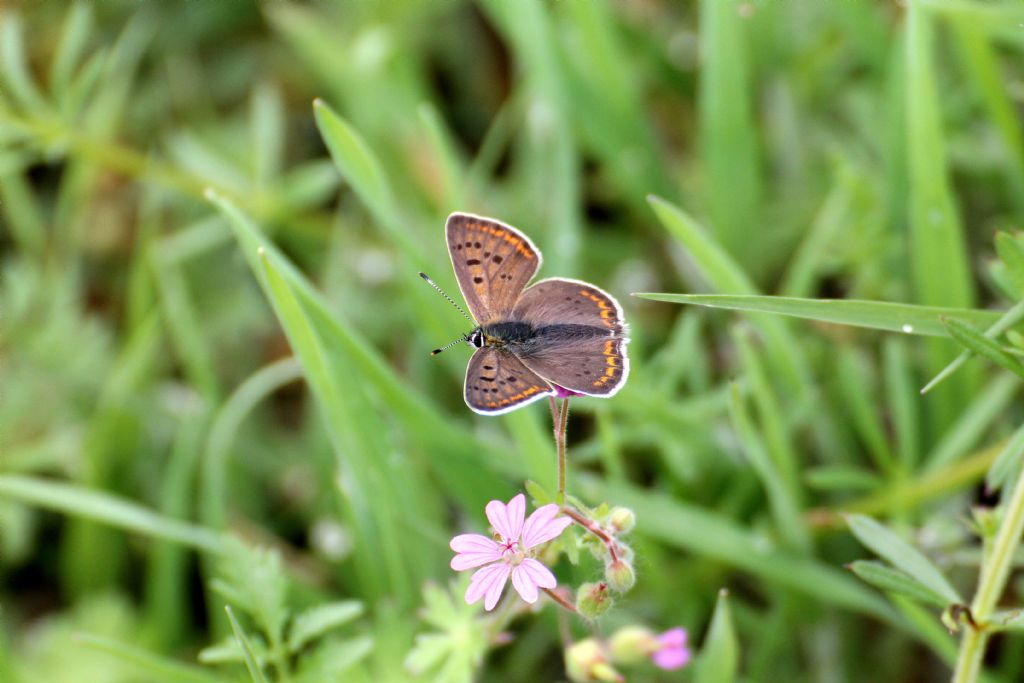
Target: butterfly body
528 340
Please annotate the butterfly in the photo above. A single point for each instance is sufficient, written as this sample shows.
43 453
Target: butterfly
529 341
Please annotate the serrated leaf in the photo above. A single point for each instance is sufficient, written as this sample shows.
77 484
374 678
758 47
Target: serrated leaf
229 651
318 620
331 659
719 657
978 343
537 493
887 544
894 581
254 581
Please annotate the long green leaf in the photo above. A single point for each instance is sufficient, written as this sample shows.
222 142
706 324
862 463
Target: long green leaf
894 581
878 315
107 509
902 555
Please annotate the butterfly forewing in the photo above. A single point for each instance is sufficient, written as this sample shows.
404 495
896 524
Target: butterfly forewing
559 300
579 340
497 382
492 262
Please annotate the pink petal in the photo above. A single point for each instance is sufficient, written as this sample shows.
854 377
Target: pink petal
497 585
490 579
674 637
543 526
529 576
464 561
671 658
473 543
507 520
473 550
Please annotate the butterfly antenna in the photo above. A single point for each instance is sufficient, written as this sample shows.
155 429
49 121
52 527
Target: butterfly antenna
460 340
452 302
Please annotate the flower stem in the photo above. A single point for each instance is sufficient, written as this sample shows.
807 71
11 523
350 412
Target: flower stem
593 528
994 574
560 600
561 422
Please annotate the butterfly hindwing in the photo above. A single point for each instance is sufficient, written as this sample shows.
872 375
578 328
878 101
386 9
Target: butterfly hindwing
492 262
579 337
587 364
497 382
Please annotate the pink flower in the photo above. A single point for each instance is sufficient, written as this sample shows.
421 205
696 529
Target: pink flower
562 392
672 652
510 555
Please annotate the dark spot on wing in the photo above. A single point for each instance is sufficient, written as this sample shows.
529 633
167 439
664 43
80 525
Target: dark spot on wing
458 246
472 262
476 245
497 258
511 379
487 379
478 280
486 254
488 367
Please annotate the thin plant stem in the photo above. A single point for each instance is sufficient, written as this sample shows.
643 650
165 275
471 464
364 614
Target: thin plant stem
994 574
589 525
561 422
560 600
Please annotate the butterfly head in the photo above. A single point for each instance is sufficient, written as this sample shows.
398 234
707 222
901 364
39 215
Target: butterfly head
476 338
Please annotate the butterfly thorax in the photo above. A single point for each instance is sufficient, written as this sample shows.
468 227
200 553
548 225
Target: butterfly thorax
501 334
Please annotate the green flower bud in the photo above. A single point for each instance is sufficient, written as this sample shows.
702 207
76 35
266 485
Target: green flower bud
620 575
593 599
632 644
622 520
586 661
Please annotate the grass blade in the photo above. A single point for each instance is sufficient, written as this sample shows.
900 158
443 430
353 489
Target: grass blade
982 345
726 127
255 668
719 654
1009 319
877 315
107 509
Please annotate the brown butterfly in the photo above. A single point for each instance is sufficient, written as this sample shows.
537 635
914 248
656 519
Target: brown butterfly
530 341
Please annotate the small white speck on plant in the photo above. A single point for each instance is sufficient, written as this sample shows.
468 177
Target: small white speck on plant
907 328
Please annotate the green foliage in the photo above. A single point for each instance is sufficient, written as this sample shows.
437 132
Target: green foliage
211 218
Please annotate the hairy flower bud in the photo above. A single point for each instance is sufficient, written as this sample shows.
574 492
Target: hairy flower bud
620 575
622 520
593 599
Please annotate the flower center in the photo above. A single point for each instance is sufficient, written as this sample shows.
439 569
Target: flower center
510 552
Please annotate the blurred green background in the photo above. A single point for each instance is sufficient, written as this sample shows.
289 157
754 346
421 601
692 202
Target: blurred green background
149 399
